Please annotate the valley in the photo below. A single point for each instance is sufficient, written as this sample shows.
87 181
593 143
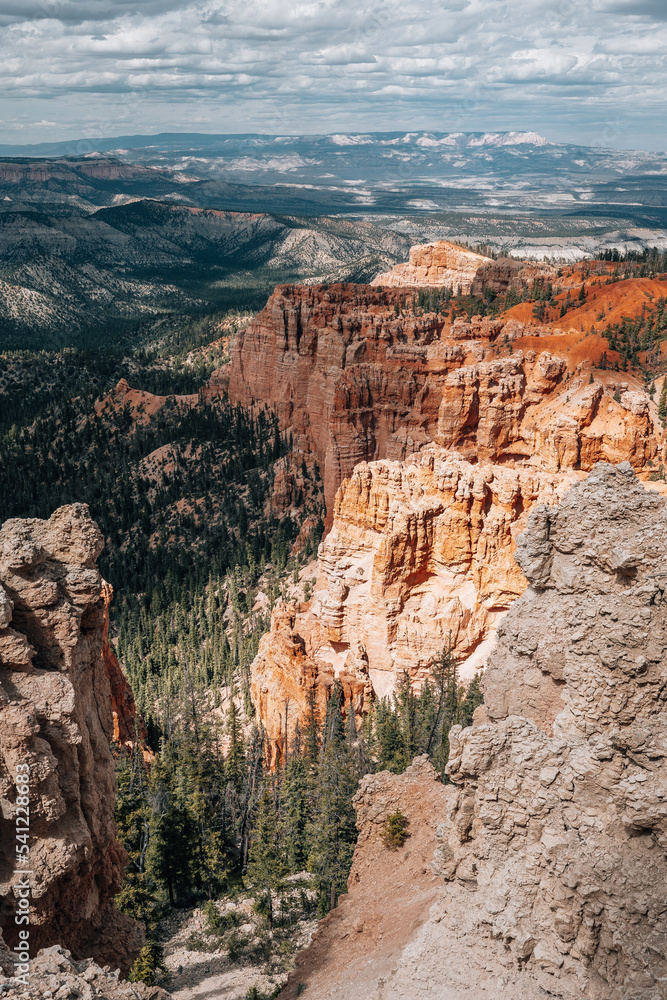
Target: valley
319 510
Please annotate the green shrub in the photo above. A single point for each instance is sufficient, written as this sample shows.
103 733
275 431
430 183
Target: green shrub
395 830
149 967
235 946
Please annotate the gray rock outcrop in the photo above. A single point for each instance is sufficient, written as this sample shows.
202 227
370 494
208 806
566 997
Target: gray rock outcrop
550 861
560 825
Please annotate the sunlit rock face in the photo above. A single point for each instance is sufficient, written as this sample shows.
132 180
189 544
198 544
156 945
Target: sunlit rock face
542 868
56 716
419 558
440 264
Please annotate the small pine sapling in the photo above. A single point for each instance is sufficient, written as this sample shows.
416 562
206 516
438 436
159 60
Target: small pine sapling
395 831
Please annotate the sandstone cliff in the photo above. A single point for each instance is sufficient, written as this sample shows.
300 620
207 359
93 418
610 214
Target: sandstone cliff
441 264
524 408
504 273
350 378
290 682
55 715
128 726
420 555
356 375
551 843
421 552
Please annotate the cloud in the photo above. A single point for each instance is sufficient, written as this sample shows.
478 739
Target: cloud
654 10
111 66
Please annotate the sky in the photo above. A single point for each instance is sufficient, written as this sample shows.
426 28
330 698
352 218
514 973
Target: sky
585 71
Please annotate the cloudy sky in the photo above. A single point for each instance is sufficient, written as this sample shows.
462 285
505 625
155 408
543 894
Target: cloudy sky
591 71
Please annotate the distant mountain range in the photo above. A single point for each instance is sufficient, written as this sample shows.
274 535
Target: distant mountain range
395 172
65 278
96 237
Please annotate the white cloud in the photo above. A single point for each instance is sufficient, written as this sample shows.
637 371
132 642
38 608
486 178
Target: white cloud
557 66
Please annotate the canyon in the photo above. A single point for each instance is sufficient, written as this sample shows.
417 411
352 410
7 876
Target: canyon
435 437
539 870
484 486
56 699
357 373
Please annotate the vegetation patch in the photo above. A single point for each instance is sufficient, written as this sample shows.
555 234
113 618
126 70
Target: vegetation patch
395 830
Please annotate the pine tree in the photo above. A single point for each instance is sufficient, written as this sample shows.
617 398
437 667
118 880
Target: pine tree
334 831
296 794
266 867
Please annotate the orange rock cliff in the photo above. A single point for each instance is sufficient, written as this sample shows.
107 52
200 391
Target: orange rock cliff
435 439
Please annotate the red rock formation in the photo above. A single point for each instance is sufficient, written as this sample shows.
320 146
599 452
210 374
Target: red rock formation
289 686
415 555
352 381
55 715
128 726
349 378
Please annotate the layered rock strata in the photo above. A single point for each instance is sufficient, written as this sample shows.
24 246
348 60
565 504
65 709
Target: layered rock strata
522 408
504 274
291 685
551 843
420 556
355 378
349 377
441 264
56 716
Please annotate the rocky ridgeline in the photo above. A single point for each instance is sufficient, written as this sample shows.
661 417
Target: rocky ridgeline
549 849
352 379
56 715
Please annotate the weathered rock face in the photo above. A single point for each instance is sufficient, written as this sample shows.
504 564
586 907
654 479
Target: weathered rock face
128 726
54 972
55 715
552 842
349 378
503 274
289 686
353 382
522 408
560 818
420 555
441 264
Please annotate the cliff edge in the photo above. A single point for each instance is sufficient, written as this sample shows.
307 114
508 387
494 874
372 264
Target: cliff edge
56 717
549 850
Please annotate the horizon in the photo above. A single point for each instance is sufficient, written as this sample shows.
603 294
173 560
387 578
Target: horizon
593 76
92 142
